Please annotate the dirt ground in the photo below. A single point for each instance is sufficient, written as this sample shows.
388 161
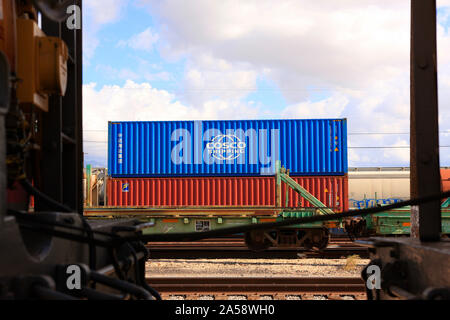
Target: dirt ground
350 267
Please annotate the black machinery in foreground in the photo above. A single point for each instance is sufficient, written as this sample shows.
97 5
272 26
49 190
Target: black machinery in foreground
53 253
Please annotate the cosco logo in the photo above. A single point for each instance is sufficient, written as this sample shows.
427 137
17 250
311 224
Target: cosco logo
212 146
226 147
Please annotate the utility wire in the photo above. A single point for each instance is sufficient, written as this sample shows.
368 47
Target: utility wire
392 147
350 133
363 147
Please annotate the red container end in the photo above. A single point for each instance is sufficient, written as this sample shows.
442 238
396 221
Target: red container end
330 190
223 191
445 179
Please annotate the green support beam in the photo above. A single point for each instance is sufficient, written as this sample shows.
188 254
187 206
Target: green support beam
282 176
446 203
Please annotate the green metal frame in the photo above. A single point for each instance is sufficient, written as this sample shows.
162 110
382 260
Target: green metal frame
88 184
283 176
172 220
398 222
191 224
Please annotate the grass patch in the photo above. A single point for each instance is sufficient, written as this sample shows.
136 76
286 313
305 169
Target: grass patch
351 262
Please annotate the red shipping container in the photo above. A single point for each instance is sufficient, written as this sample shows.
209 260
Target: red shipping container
445 179
223 191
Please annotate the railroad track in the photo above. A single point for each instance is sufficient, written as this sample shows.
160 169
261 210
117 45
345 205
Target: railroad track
256 288
235 248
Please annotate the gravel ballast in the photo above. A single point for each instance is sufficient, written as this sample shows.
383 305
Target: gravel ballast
350 267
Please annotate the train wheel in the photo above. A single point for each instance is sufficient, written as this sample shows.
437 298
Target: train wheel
256 241
321 241
315 239
307 244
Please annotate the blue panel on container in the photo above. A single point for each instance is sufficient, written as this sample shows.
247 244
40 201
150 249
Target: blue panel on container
244 147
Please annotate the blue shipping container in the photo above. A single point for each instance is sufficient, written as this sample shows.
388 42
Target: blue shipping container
227 148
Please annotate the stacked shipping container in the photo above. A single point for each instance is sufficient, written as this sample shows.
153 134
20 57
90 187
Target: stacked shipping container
222 191
225 163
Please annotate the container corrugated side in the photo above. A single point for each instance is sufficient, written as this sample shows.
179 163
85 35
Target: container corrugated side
445 179
223 191
227 148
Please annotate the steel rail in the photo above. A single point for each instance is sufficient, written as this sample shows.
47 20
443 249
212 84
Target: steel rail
233 248
253 287
245 253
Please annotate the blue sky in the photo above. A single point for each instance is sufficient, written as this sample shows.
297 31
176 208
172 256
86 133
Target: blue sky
202 59
115 62
110 53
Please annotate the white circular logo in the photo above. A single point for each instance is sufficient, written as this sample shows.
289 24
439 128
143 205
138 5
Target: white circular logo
226 147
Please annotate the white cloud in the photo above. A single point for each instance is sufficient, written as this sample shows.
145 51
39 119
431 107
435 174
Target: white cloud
96 14
207 78
141 41
144 73
303 43
443 3
353 54
141 102
331 107
101 12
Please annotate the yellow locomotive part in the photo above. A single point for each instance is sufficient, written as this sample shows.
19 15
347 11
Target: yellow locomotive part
53 57
42 65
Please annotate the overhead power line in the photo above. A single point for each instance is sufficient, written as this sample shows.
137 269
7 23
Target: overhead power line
389 147
359 147
350 133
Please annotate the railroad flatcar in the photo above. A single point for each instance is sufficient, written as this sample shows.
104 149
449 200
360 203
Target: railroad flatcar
367 187
170 216
390 223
